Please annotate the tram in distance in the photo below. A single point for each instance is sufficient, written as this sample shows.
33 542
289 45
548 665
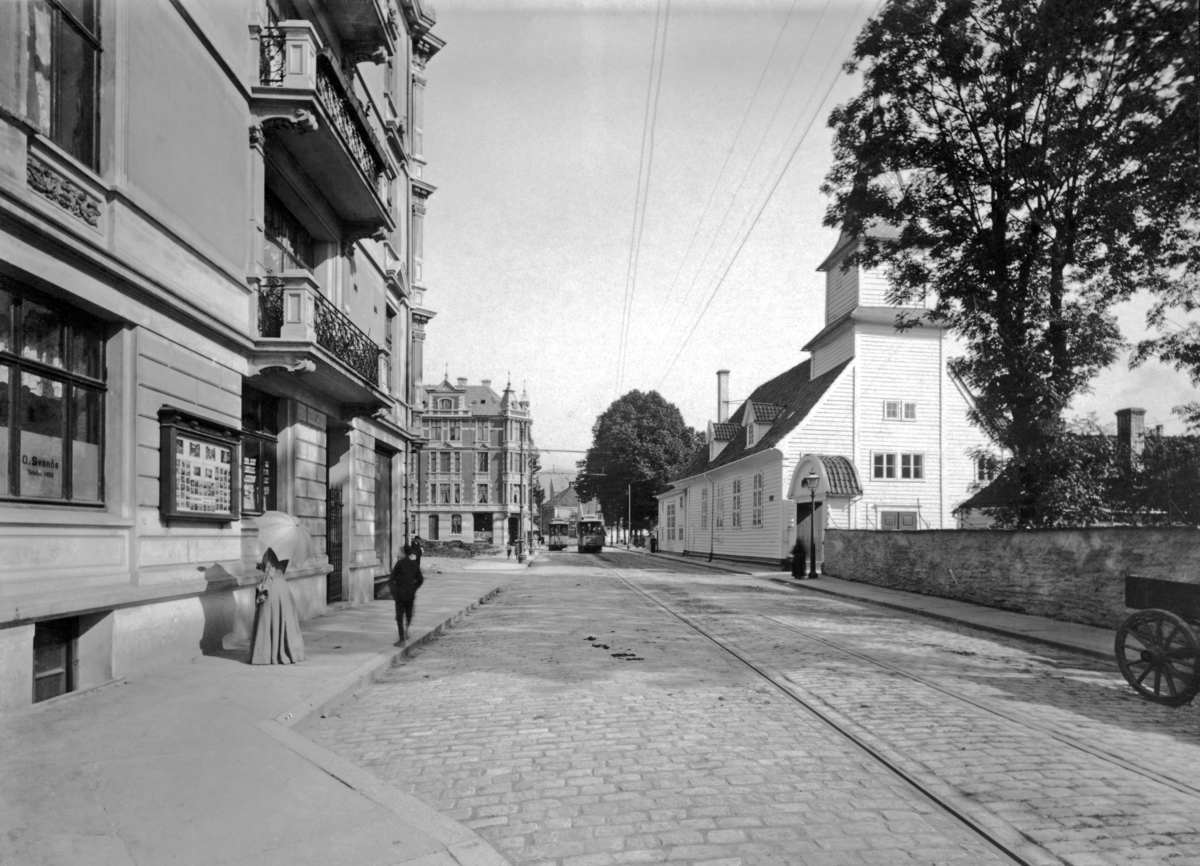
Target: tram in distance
590 535
559 530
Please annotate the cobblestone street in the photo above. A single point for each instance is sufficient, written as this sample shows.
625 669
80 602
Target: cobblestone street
598 712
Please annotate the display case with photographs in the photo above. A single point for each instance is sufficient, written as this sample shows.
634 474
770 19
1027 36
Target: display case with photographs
200 477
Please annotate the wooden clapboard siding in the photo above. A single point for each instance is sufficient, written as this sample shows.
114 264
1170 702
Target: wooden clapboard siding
828 355
962 437
765 541
873 288
841 292
905 367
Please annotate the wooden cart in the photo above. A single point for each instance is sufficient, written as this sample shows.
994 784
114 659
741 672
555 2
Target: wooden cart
1158 648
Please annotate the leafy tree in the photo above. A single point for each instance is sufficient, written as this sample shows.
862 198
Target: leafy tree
1163 483
1038 162
640 441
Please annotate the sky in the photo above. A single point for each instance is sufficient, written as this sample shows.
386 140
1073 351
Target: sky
629 198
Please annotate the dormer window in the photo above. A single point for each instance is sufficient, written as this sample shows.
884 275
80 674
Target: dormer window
447 405
750 435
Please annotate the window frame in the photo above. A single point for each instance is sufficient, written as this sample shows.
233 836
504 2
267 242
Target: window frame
737 503
481 494
92 38
68 319
267 404
704 508
756 509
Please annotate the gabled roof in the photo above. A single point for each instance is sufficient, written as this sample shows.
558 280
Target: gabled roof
793 392
723 431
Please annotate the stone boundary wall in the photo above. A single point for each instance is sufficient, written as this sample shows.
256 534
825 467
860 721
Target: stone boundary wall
1074 575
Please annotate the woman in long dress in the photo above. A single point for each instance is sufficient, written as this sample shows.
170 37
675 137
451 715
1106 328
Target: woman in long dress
277 639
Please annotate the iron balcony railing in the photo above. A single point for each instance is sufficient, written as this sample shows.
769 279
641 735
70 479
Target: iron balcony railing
343 107
334 331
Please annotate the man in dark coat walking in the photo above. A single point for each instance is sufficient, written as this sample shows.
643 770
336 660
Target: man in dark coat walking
404 581
417 547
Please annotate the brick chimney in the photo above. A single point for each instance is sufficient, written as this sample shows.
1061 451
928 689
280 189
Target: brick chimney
462 381
1131 432
722 396
487 383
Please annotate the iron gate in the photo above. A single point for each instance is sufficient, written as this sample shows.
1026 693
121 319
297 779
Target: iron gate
333 543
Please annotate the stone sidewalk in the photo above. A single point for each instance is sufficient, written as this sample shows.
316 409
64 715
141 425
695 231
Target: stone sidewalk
1095 642
203 764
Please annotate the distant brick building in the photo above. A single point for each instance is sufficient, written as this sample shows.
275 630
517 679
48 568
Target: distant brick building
474 473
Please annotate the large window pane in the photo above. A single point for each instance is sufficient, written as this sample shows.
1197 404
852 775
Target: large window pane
42 335
85 444
75 109
83 10
86 356
41 423
6 323
5 430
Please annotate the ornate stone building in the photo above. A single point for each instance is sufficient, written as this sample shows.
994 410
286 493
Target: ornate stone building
212 304
475 473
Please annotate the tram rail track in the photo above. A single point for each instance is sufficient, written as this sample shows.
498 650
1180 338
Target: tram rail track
1006 840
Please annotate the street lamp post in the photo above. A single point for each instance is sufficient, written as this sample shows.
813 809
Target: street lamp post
629 513
811 481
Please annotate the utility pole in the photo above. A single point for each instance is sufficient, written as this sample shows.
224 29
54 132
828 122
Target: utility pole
628 514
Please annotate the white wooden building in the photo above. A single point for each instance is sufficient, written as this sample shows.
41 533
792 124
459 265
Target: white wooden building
873 413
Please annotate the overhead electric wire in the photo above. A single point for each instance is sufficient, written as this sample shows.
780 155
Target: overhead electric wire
775 185
749 165
728 154
649 122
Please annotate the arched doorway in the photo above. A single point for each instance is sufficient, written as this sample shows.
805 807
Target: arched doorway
821 482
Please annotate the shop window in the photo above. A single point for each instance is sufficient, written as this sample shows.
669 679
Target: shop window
288 245
260 431
456 524
63 75
52 400
54 658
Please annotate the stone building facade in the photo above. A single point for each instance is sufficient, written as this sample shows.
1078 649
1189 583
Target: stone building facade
475 472
211 305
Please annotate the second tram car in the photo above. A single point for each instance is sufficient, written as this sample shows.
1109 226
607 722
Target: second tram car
559 531
590 535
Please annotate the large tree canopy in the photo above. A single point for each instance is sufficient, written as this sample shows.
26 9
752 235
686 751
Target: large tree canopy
638 444
1039 160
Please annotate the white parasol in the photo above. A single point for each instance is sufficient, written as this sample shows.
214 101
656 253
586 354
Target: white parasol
286 537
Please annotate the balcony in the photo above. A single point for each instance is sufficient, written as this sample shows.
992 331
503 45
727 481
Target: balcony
364 26
306 106
301 331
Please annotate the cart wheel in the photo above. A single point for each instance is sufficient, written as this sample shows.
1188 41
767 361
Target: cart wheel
1159 655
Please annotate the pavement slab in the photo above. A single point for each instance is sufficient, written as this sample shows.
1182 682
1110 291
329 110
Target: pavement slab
182 766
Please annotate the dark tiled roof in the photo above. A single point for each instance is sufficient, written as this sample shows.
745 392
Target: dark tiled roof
793 392
482 400
843 480
724 431
766 412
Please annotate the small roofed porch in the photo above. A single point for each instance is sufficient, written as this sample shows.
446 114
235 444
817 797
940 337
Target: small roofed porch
820 484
